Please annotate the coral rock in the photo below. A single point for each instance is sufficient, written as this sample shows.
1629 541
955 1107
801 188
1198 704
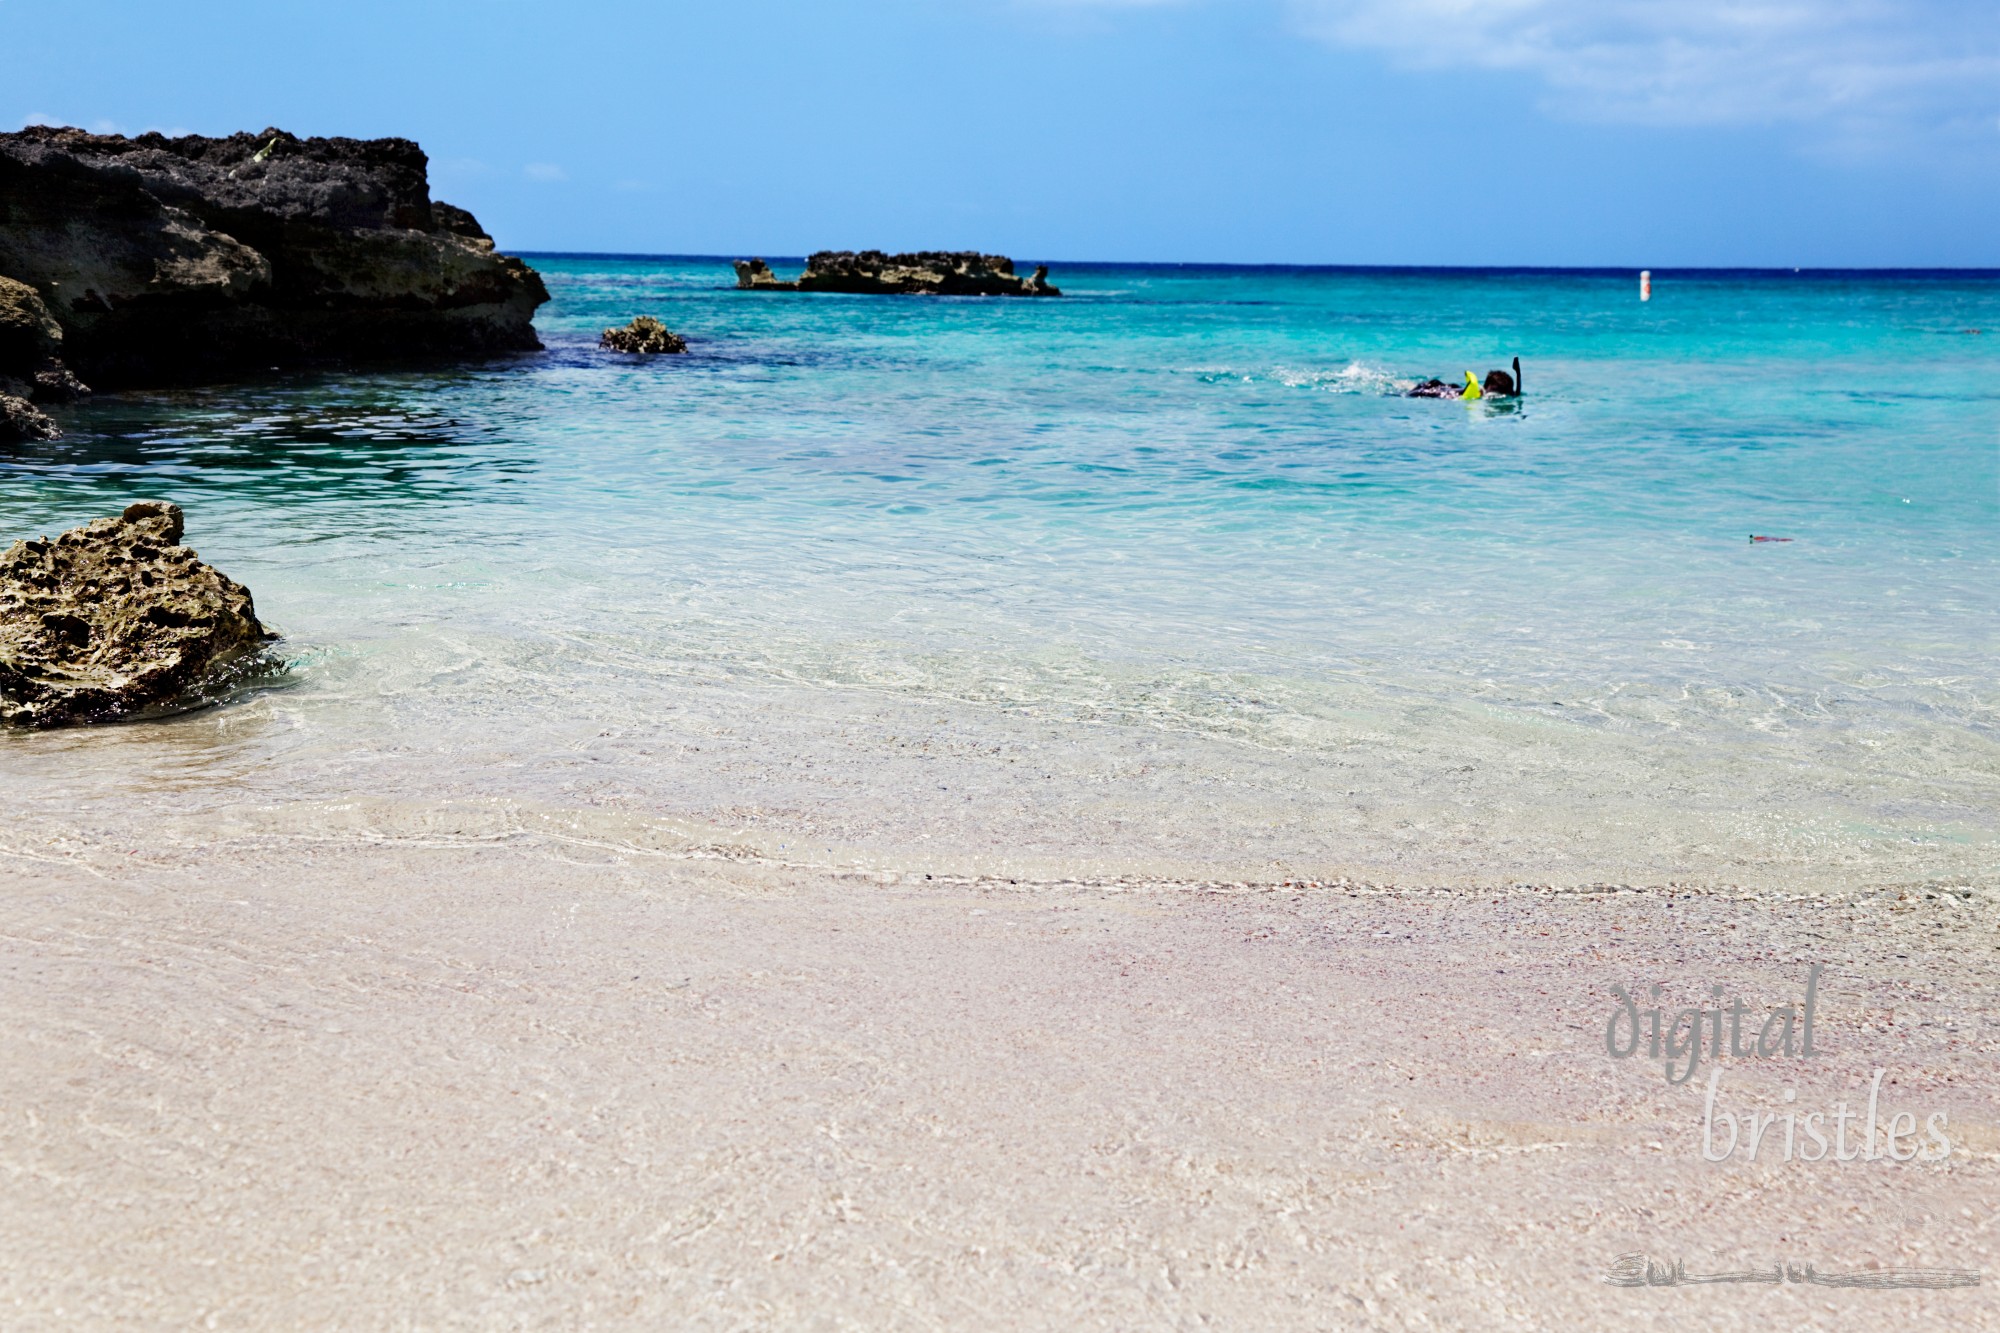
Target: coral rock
114 618
29 334
644 335
751 273
177 260
926 273
53 383
30 339
21 420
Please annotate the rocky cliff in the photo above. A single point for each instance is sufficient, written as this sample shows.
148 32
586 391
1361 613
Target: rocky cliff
172 260
928 272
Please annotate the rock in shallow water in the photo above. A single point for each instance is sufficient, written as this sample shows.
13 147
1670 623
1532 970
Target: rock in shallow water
22 420
113 618
644 335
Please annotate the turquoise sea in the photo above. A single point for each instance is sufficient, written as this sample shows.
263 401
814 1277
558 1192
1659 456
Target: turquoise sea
1164 577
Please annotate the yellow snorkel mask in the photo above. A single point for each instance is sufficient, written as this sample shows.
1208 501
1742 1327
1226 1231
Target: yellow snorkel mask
1472 389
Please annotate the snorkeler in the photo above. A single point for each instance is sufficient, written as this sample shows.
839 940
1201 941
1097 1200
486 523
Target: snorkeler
1499 384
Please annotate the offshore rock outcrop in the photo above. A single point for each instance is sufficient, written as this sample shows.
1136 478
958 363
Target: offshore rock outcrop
113 618
175 260
926 273
644 336
755 273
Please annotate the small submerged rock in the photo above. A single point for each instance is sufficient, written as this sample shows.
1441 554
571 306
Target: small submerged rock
645 336
113 618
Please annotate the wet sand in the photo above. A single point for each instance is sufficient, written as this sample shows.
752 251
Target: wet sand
534 1082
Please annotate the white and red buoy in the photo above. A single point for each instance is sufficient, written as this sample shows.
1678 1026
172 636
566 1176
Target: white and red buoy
1645 284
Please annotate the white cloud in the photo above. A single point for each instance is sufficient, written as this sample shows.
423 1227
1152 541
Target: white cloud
459 168
544 171
1855 66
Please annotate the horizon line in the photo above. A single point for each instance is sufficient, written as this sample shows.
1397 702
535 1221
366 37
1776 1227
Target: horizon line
1581 270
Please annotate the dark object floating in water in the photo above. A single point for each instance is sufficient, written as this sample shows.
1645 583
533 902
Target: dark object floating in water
1498 384
923 273
187 259
113 618
1755 538
644 336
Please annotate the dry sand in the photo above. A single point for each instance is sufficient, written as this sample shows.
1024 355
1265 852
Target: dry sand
535 1083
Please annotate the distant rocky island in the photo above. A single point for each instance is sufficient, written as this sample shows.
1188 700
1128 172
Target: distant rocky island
151 260
925 273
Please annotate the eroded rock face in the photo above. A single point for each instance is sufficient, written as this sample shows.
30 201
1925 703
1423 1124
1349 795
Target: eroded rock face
21 420
751 273
53 383
174 260
112 618
646 336
29 334
928 273
30 364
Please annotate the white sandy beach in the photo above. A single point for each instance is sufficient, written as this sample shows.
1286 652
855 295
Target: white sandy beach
531 1081
1028 667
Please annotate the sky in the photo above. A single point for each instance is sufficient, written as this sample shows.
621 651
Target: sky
1640 133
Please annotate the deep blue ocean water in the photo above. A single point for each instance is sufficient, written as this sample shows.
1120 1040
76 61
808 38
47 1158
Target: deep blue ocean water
1177 533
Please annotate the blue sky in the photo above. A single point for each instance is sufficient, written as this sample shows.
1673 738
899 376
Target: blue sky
1615 132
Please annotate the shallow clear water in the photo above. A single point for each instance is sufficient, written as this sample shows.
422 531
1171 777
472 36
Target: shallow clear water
1164 575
